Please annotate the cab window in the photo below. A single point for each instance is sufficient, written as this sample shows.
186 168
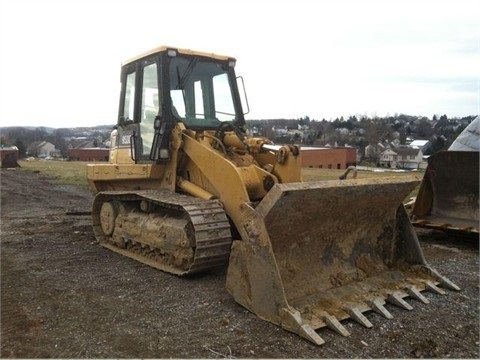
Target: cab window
128 107
150 106
200 92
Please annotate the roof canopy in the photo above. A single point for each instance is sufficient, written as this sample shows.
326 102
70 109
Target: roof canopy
469 139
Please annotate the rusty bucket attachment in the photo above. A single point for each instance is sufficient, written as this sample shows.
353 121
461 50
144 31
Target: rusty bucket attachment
314 254
448 196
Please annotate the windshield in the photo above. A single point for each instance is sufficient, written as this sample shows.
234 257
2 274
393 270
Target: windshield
200 92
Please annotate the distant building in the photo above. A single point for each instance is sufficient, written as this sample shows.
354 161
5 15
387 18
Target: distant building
329 158
80 142
373 151
420 144
402 157
41 149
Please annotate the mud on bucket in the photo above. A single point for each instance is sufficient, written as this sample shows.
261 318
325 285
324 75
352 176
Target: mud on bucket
321 252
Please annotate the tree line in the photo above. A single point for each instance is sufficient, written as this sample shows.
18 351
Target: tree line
356 131
361 131
23 137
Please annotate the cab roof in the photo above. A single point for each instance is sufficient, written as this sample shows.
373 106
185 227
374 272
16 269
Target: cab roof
164 48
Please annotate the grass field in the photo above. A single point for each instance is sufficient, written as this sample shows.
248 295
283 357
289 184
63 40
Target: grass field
64 172
313 174
74 172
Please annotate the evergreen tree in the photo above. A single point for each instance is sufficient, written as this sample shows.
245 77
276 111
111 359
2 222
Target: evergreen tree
22 150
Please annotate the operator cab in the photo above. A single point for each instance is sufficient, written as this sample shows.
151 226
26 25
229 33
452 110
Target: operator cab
168 85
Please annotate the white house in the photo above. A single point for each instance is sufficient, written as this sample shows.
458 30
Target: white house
402 158
41 149
372 151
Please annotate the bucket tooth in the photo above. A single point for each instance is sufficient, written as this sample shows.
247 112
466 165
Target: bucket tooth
357 315
308 333
396 299
292 321
333 323
445 282
434 288
416 294
377 306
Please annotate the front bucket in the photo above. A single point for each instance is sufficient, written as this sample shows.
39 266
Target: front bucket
316 253
448 196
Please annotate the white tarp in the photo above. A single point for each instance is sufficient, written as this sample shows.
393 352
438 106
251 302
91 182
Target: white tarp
469 139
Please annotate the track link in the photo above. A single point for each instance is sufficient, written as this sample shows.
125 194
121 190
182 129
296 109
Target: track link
172 232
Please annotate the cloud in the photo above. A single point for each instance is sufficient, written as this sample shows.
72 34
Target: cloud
298 57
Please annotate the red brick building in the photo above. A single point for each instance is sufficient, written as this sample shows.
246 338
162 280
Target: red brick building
329 158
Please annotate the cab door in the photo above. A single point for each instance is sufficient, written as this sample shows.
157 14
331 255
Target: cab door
139 105
149 106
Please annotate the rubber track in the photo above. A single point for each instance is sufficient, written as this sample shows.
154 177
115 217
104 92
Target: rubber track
205 216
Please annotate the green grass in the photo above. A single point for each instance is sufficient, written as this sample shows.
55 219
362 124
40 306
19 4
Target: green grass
64 172
312 174
74 172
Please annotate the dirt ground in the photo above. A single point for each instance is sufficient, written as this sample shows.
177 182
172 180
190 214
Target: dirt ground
64 296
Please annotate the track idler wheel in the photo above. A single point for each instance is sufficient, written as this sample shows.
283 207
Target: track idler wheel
108 214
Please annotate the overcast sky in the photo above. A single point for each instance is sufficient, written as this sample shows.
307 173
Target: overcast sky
60 60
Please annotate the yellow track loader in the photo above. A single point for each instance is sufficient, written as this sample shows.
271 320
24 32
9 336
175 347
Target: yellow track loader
187 190
448 196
